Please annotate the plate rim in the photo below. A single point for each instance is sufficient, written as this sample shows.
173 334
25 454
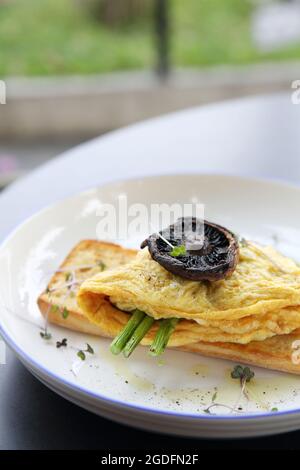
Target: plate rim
40 368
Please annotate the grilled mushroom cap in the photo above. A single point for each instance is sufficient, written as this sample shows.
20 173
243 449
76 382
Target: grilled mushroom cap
211 254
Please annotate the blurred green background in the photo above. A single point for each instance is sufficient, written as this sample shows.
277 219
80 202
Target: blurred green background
65 65
58 37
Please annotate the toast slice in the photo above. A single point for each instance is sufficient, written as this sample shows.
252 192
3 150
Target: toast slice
58 304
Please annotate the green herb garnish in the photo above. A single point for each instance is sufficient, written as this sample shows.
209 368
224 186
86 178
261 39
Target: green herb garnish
54 308
101 265
89 348
243 242
81 355
68 277
178 251
45 335
245 374
65 313
61 343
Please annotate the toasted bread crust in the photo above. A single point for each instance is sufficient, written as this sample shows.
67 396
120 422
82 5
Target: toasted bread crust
75 320
274 353
85 253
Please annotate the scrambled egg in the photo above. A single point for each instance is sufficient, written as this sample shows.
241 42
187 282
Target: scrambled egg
259 300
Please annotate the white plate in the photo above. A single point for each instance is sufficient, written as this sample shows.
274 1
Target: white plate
170 396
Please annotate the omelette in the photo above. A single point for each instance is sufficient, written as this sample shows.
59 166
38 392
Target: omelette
259 300
252 316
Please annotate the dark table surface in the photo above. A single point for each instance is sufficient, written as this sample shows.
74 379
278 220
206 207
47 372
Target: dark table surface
257 136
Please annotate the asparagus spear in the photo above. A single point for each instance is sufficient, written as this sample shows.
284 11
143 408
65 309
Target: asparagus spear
138 335
162 336
120 341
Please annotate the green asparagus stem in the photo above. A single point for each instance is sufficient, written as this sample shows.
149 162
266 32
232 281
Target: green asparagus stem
138 335
120 341
162 337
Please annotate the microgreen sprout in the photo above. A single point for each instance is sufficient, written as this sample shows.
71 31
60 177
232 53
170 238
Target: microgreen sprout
175 250
81 353
162 237
101 265
245 374
89 349
243 242
178 251
61 343
70 285
65 313
214 405
45 334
